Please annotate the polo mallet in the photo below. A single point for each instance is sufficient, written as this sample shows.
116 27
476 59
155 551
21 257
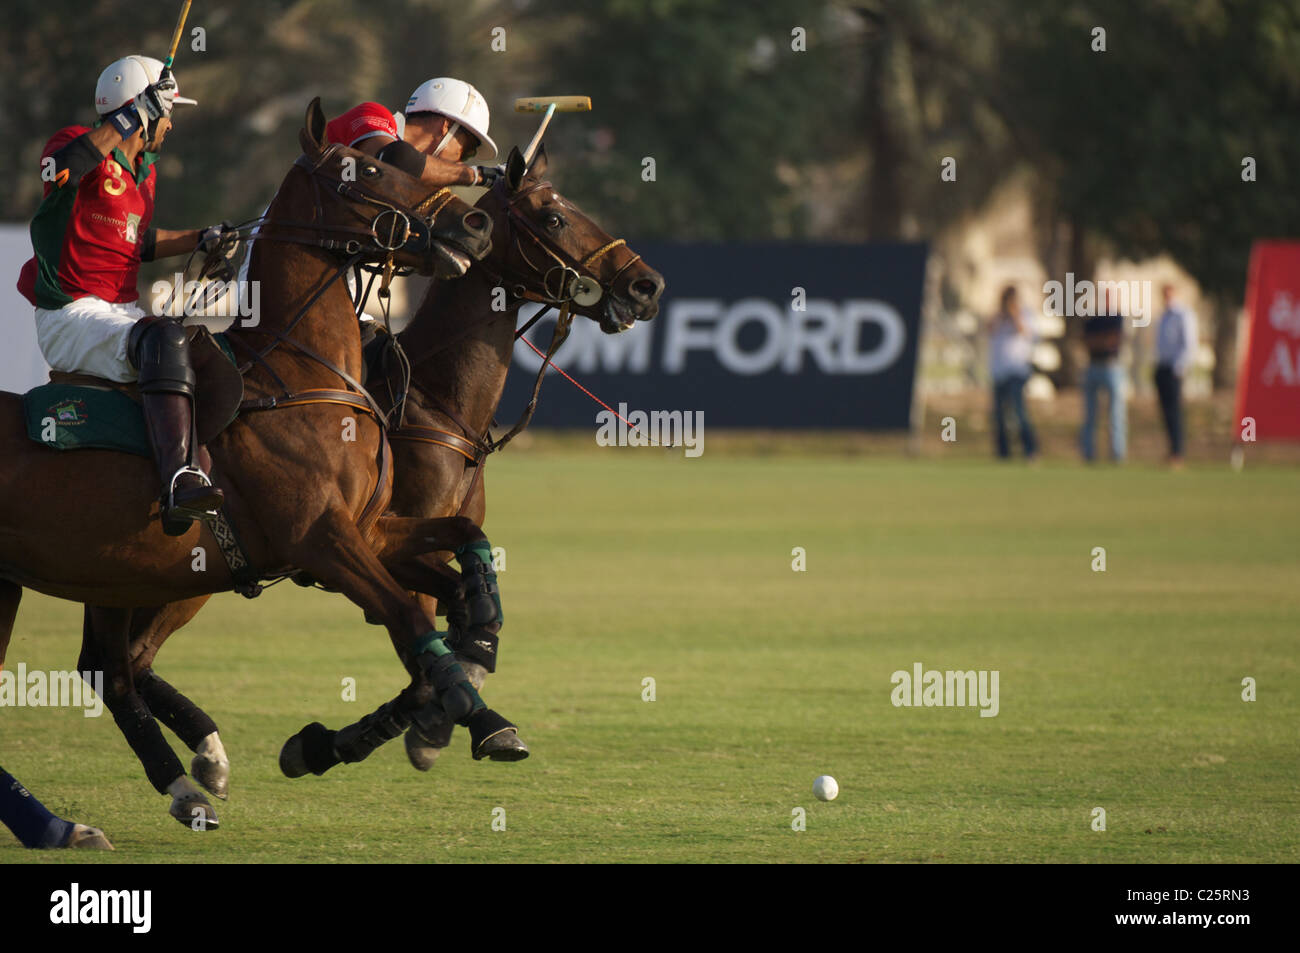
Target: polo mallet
176 41
549 105
582 290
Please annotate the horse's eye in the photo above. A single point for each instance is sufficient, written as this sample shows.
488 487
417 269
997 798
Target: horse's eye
553 221
369 171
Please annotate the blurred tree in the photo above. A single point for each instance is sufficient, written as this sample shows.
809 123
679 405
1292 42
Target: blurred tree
1148 138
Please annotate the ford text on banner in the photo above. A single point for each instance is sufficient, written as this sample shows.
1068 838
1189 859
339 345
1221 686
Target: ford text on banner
1268 387
752 335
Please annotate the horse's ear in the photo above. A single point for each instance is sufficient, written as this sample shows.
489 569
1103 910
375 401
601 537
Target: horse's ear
312 136
514 169
537 168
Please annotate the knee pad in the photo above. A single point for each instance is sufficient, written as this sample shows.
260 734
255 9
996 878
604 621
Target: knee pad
160 350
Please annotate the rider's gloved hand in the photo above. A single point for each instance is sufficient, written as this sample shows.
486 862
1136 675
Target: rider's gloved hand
210 237
487 175
220 243
155 101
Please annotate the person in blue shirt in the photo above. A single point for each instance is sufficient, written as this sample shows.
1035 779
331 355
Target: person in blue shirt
1176 344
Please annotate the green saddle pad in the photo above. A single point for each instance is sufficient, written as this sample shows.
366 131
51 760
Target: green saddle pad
70 417
78 417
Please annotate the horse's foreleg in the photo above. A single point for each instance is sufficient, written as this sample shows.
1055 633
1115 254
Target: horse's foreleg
150 628
335 553
105 646
425 745
411 547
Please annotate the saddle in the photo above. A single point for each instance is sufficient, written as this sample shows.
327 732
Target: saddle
81 411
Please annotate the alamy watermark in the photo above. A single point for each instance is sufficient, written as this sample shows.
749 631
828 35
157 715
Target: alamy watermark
36 689
219 299
1090 299
931 688
658 428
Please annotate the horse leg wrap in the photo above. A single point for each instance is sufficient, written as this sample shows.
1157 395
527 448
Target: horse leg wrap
475 645
161 766
185 719
483 601
357 741
454 693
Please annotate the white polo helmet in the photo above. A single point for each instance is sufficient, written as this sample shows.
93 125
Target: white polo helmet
126 79
461 103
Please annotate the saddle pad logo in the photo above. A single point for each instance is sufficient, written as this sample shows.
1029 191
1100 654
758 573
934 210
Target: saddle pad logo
70 413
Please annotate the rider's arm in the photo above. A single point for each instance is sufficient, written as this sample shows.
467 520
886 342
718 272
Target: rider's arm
78 157
434 171
73 160
169 243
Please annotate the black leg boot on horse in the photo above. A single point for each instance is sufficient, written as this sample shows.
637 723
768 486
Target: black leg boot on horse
160 351
475 635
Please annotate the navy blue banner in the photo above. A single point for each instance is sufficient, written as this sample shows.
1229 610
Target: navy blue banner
753 335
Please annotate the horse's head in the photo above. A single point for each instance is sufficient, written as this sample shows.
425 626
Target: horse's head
358 206
546 249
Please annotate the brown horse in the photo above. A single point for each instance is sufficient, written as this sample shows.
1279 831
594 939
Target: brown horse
459 349
297 482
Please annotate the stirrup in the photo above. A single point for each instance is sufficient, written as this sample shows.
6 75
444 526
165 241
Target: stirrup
183 511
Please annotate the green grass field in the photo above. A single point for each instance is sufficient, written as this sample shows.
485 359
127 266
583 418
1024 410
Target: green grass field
1118 689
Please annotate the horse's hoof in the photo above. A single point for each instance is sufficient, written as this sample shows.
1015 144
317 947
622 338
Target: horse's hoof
195 811
211 768
309 751
504 746
492 736
293 760
91 838
213 775
423 746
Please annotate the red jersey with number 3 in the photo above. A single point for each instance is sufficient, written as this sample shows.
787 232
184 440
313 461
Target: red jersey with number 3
361 122
88 236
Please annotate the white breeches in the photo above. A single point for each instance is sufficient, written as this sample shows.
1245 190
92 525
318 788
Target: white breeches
88 336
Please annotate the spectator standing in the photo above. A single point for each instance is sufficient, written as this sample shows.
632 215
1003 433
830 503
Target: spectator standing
1011 346
1102 336
1176 344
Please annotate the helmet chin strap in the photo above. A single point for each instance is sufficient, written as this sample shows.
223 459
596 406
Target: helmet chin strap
455 128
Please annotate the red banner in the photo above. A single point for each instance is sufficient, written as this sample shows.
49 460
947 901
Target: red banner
1268 387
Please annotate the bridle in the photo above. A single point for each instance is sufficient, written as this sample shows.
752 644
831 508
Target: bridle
393 228
575 280
563 281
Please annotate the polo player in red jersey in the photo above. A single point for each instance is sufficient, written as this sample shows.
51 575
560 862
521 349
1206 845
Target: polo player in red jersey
445 124
90 234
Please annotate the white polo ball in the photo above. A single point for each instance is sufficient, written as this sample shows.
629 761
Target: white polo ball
825 788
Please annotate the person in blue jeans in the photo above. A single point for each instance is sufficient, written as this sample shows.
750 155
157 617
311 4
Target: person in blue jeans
1011 346
1102 336
35 826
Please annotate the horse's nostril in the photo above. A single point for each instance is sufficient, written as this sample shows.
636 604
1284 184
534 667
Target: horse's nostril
478 222
646 289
